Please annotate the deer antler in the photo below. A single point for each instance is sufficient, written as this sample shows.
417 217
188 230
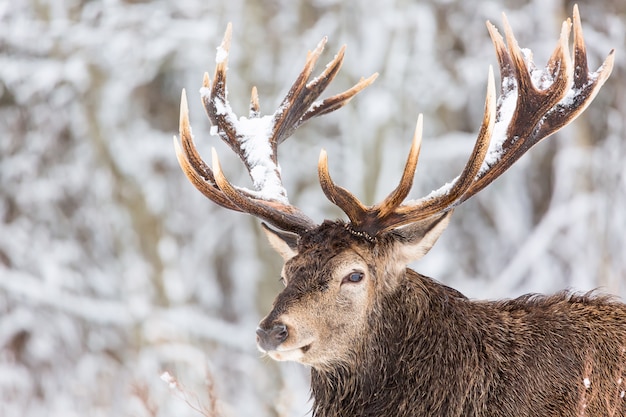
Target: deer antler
532 105
255 139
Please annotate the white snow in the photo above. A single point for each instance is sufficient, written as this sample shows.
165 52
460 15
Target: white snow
221 55
223 108
443 190
205 92
572 93
169 379
255 143
256 134
540 78
506 105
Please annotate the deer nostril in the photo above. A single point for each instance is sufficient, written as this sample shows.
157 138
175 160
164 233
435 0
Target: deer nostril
279 333
270 339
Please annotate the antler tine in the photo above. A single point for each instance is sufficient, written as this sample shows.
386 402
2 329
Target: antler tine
585 85
255 108
255 139
332 103
214 97
369 219
397 196
301 95
299 104
339 196
443 200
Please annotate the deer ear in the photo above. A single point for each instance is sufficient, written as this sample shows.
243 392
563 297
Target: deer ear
416 239
284 243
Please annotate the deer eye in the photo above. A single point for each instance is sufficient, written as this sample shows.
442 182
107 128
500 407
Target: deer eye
353 278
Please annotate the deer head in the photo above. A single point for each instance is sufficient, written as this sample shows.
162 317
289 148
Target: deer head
338 273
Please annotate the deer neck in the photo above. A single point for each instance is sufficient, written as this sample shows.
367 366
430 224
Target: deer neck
368 384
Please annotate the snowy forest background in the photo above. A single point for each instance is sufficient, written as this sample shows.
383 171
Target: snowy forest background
114 269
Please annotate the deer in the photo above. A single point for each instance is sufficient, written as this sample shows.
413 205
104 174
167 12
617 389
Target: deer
380 339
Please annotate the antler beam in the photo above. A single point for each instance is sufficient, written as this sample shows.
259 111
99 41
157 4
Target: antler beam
532 105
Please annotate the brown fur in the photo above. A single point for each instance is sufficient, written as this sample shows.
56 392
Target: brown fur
423 349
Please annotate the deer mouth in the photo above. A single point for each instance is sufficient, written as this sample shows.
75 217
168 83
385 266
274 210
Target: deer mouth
289 354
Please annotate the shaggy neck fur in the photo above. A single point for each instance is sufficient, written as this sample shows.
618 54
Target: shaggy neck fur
375 384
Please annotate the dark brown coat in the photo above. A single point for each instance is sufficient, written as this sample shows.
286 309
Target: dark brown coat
429 351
